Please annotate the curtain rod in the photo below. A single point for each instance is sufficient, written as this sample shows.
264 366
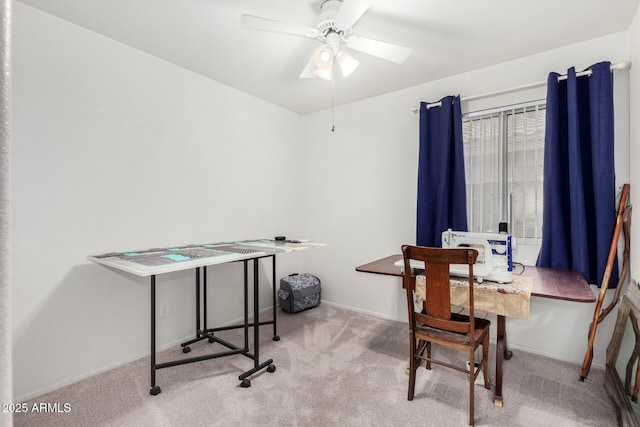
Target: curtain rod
619 66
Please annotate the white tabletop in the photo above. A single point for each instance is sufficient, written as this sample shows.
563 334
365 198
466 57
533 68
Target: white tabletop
154 261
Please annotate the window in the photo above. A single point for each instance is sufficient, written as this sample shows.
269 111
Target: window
504 152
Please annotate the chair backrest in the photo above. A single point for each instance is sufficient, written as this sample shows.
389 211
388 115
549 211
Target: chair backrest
437 305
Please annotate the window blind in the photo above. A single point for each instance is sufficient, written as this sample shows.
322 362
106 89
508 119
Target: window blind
504 150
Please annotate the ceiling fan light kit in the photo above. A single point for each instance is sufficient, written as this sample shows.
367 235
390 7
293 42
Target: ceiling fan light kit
347 63
334 27
323 57
324 60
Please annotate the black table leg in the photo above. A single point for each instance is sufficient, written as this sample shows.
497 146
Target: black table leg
154 388
200 333
276 337
209 333
257 366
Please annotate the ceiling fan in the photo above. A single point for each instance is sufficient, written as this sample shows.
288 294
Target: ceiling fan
334 27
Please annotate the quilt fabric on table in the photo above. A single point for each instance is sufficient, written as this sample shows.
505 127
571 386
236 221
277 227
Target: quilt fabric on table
506 299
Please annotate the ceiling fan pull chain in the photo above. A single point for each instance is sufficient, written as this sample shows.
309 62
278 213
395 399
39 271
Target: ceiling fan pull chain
333 96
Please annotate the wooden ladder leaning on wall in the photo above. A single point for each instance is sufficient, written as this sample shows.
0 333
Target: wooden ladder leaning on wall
623 221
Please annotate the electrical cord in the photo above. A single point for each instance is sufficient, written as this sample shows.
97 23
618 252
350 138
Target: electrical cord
521 265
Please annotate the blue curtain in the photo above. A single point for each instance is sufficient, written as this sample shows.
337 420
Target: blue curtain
442 198
579 177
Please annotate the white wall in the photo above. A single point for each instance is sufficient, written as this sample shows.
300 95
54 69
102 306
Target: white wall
117 150
363 181
634 125
114 149
628 342
634 157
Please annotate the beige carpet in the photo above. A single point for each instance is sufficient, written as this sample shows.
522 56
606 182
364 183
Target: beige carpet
334 368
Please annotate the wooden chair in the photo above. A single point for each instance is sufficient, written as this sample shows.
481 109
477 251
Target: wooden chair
436 323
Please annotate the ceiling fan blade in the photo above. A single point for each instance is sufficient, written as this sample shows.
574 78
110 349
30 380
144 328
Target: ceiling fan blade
258 23
350 12
390 52
308 72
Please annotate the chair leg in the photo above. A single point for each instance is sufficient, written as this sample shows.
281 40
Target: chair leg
412 366
428 355
422 345
472 376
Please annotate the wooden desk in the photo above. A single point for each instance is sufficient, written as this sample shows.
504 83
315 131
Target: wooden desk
547 283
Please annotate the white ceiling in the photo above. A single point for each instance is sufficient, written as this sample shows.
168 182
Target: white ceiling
448 37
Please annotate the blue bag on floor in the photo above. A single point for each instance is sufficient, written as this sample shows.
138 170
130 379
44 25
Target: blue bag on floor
299 292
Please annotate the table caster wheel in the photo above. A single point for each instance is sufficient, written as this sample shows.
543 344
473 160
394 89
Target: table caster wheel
271 368
186 349
245 383
276 337
211 340
155 391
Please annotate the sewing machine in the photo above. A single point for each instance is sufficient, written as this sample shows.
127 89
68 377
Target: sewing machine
495 261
